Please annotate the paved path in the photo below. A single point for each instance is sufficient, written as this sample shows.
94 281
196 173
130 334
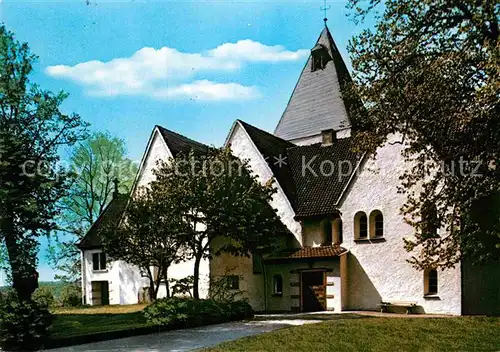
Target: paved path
187 339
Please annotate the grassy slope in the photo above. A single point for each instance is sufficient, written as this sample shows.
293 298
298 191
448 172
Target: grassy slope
82 321
378 334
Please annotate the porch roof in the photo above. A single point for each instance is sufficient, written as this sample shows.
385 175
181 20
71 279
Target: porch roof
310 252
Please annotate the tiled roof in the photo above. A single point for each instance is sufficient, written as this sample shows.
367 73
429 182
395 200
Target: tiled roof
178 143
111 213
318 252
321 173
316 103
308 252
314 190
271 148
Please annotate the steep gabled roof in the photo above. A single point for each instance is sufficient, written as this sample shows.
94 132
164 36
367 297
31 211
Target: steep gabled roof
321 174
111 213
316 103
312 189
272 149
178 143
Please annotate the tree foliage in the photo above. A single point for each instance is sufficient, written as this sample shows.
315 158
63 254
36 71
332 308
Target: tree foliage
32 130
98 162
429 73
148 235
218 197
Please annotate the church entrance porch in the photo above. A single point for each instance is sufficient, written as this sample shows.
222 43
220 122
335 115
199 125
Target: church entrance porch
313 291
308 280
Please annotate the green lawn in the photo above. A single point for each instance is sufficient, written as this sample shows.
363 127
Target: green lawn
70 322
378 334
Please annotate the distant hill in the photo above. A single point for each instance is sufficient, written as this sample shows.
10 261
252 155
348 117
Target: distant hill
55 286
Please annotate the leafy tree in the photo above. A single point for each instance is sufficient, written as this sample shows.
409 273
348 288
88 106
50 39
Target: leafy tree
32 130
148 237
98 162
218 196
429 73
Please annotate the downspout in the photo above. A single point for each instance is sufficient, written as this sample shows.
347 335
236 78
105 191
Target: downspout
83 277
265 283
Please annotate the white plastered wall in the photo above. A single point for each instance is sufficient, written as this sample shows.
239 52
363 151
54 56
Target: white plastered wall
243 147
125 281
378 270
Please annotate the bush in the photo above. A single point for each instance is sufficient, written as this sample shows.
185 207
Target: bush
23 325
185 312
44 297
71 296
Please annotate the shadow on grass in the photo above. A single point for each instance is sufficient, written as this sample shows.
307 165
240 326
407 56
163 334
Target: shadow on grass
68 325
317 316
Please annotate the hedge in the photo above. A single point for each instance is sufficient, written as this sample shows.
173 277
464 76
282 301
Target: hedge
187 312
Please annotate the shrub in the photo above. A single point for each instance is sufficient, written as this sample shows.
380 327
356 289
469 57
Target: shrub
186 312
71 296
24 325
241 310
44 297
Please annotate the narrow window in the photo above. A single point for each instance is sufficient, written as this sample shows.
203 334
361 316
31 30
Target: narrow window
337 231
233 282
257 263
431 282
102 260
277 284
327 231
379 225
360 226
95 261
376 224
363 227
99 261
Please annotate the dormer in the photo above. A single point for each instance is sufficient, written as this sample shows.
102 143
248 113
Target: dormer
319 57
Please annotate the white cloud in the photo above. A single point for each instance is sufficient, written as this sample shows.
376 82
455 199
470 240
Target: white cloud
149 70
248 50
207 90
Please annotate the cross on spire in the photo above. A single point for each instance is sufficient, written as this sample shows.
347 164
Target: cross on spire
324 9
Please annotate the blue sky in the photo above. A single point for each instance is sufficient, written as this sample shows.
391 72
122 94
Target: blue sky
190 66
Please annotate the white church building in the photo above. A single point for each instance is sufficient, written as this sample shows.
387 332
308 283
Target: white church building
344 247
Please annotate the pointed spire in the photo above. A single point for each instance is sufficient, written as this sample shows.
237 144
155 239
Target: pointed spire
316 103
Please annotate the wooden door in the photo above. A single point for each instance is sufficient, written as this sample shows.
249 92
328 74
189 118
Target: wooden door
104 293
313 291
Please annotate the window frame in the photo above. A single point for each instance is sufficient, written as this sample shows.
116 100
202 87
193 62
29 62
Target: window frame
376 224
357 226
233 282
431 282
363 229
277 281
101 262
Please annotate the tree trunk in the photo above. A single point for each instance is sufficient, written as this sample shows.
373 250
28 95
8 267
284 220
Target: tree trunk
151 290
196 292
23 269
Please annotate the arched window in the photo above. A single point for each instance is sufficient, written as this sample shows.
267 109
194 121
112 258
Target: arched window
337 231
360 226
277 284
376 224
431 282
